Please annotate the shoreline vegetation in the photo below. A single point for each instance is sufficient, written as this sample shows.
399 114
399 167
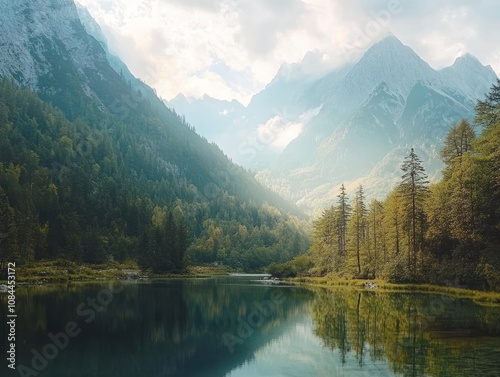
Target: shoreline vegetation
482 297
422 234
61 271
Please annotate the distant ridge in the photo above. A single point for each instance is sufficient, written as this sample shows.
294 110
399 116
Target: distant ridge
365 116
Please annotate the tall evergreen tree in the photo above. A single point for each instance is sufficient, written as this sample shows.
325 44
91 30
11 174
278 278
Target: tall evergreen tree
9 248
458 142
413 188
487 148
344 210
459 180
357 225
488 110
378 239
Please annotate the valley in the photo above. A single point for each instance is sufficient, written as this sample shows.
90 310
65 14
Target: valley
192 188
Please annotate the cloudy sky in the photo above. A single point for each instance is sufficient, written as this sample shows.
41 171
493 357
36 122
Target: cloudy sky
233 48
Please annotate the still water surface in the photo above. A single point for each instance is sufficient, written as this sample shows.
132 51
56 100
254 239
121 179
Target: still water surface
237 327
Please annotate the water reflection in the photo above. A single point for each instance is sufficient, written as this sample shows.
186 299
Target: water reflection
233 327
419 335
174 328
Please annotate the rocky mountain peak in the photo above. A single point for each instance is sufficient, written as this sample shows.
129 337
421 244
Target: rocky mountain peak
31 32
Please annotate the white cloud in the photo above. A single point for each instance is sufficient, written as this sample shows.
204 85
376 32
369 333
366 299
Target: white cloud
277 133
232 49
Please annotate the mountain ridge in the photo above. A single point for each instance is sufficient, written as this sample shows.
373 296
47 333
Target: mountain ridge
390 97
123 166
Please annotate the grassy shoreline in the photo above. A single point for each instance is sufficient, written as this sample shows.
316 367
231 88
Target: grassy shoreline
482 297
60 271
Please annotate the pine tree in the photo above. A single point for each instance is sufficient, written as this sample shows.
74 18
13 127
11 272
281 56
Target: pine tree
438 209
487 167
376 223
180 247
488 110
9 248
458 142
458 176
414 190
325 246
357 225
344 210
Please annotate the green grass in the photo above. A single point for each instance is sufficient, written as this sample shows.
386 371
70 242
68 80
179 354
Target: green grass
59 271
482 297
62 271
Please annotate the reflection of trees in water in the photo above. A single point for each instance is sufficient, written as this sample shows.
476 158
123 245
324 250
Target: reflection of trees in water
164 329
459 339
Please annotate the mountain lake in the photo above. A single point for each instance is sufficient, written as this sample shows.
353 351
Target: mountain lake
242 326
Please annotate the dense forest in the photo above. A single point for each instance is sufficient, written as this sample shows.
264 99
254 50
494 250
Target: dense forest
92 185
442 233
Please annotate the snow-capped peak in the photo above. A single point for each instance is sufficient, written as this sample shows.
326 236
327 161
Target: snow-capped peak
468 76
388 60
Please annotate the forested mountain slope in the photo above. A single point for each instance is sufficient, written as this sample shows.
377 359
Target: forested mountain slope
442 233
93 165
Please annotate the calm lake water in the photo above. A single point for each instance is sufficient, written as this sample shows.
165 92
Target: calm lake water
233 326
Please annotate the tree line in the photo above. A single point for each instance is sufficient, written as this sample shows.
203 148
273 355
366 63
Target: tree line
100 187
443 233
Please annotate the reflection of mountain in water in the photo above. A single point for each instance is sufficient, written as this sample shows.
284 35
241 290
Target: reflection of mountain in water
173 328
420 335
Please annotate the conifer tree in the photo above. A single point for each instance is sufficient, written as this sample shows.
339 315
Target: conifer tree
377 233
9 248
344 210
413 188
458 142
488 110
357 225
487 148
459 180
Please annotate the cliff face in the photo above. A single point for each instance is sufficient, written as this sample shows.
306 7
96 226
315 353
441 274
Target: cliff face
45 47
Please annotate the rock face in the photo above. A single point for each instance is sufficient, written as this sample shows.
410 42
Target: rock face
46 47
367 117
389 102
354 124
40 42
58 51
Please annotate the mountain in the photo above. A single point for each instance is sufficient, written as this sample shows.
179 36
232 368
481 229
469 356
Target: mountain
254 135
211 116
94 30
93 165
364 118
391 100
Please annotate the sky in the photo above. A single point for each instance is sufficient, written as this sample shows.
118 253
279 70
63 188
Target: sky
230 49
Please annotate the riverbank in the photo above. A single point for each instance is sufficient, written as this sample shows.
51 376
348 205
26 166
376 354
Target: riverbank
492 298
60 271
